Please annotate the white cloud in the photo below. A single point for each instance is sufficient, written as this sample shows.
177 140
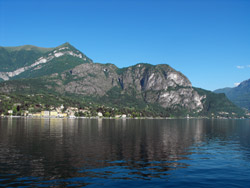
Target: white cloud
236 84
240 67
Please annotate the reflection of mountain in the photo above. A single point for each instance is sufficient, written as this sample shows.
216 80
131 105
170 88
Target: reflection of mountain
56 148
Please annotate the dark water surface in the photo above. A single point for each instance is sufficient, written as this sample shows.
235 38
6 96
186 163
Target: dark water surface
124 153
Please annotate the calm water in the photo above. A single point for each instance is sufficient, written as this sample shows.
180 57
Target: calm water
124 153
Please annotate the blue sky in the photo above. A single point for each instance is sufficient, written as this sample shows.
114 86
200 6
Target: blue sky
207 40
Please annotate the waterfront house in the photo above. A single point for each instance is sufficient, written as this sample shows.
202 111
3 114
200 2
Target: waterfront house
62 115
36 115
53 113
72 116
45 114
10 112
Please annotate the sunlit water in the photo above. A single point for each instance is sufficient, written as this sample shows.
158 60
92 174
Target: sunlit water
124 153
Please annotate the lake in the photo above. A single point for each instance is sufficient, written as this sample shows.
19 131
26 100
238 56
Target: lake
124 153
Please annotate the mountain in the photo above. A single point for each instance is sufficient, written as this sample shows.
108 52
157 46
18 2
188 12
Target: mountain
65 71
223 90
13 58
30 61
239 95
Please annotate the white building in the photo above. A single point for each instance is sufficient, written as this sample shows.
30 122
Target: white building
10 112
99 114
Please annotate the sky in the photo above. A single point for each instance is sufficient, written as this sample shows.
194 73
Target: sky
206 40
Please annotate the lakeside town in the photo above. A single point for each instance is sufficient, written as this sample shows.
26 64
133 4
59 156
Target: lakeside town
55 106
40 106
61 112
73 112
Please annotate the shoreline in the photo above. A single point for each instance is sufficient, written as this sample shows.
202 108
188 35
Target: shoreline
120 118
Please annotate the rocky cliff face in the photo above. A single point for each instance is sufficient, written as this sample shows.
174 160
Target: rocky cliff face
163 85
154 84
90 79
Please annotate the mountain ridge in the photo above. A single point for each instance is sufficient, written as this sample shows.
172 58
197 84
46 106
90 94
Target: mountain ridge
43 59
26 47
66 71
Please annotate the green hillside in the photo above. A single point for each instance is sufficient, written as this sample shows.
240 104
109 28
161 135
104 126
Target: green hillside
12 58
30 61
218 103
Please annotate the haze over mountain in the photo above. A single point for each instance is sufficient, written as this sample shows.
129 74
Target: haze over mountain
65 71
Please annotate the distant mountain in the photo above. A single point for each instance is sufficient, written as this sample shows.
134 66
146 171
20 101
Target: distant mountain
223 90
239 95
65 71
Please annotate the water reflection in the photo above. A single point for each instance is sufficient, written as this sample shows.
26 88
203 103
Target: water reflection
44 151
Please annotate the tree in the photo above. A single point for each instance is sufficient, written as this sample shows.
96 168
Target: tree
106 114
14 110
